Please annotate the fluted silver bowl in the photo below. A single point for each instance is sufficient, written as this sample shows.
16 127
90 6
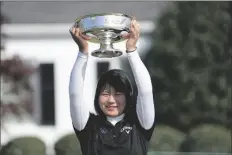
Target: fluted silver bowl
105 29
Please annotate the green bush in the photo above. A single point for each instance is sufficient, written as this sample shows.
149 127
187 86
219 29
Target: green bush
208 138
24 146
68 145
166 139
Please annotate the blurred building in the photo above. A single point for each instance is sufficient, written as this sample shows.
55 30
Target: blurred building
39 32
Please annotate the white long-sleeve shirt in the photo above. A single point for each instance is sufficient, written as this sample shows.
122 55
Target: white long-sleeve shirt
80 108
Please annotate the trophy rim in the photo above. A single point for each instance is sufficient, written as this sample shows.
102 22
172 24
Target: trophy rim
102 14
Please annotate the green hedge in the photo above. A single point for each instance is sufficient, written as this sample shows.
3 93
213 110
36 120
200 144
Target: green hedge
24 146
68 145
166 139
208 138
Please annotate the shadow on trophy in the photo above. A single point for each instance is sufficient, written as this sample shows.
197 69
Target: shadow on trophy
105 29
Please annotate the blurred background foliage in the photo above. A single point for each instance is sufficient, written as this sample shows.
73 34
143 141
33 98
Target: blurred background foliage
16 90
190 65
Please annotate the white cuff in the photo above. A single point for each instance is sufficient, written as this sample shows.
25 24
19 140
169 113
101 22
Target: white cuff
82 55
134 53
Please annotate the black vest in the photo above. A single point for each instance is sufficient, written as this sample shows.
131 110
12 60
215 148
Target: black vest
127 137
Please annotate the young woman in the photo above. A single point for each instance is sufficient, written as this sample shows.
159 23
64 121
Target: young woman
123 125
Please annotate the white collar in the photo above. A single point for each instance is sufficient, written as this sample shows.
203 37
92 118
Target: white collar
114 120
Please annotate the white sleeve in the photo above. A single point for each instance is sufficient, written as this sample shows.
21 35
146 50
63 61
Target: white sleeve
145 103
79 108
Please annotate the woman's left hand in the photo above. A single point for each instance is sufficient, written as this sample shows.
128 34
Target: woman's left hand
132 37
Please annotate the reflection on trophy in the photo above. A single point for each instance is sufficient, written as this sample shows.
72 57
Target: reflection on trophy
105 29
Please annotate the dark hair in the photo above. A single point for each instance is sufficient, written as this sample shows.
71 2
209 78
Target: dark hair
121 83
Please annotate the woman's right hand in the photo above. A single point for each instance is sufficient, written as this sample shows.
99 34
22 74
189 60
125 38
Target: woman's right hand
80 39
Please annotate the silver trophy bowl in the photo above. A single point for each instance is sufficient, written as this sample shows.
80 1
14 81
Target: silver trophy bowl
105 29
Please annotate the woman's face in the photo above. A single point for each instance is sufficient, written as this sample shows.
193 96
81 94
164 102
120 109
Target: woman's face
111 102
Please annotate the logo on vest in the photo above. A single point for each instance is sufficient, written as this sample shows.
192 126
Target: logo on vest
127 129
103 130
